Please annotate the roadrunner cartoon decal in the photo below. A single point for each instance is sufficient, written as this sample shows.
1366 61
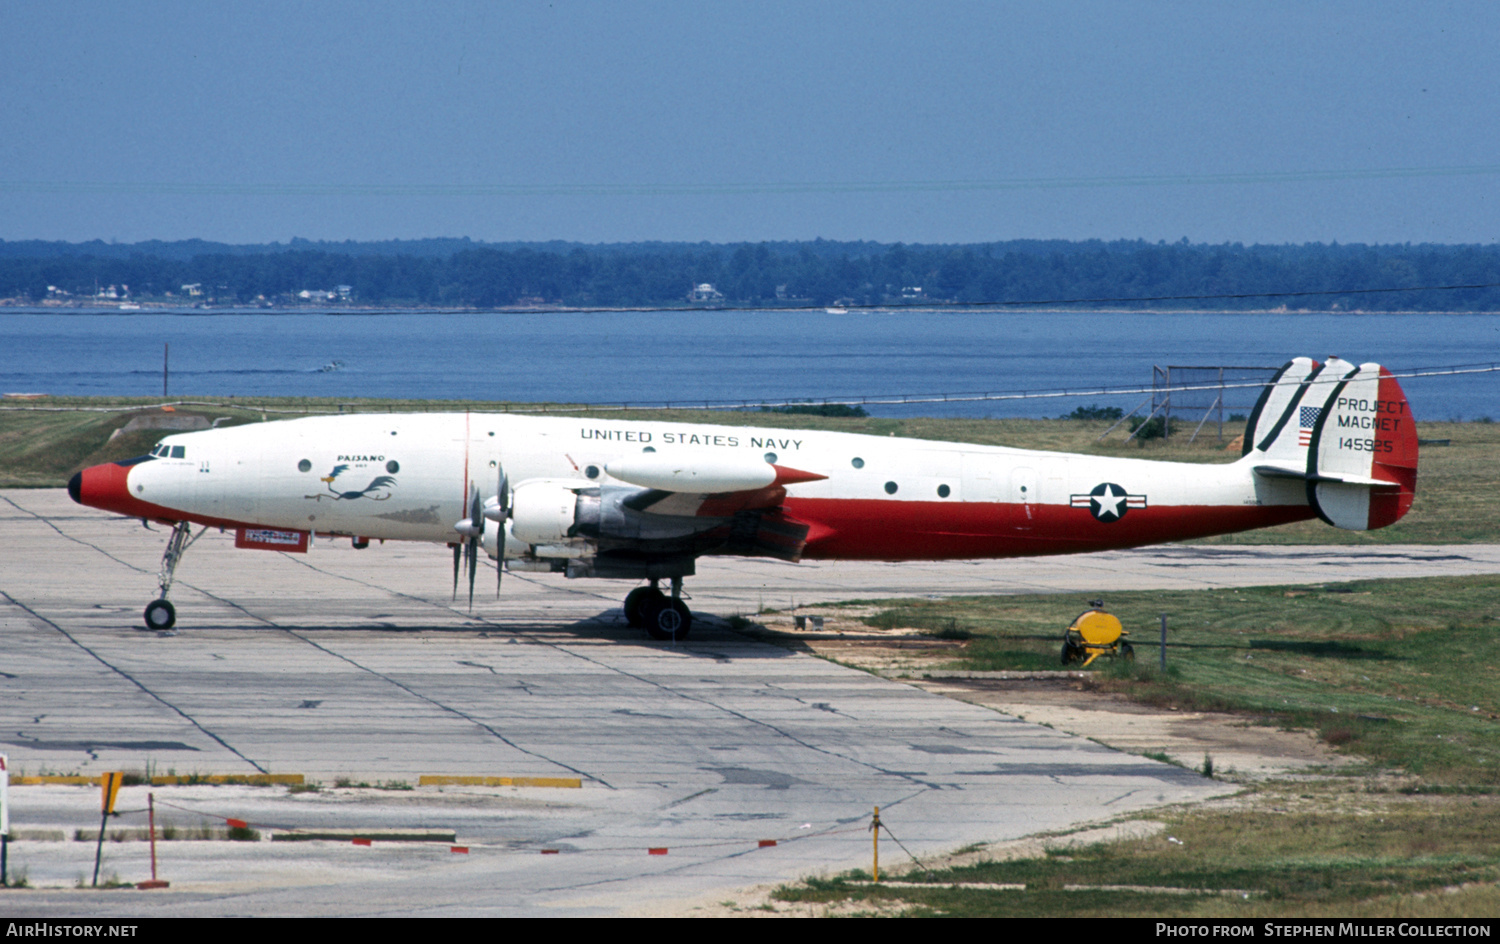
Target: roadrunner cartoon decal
381 485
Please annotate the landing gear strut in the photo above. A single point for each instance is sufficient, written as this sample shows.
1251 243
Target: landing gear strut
662 617
160 613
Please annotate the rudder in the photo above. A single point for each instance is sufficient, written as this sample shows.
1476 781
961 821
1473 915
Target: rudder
1362 461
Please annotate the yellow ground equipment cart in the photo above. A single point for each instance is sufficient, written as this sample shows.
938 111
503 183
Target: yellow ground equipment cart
1093 634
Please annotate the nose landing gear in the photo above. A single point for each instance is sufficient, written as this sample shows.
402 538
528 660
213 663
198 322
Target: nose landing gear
661 616
160 614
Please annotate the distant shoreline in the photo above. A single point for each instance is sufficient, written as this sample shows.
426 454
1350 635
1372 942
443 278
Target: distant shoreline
15 306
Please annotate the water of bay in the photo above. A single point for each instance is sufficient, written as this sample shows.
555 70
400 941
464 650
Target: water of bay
698 356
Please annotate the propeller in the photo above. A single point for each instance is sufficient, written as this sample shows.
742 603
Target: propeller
472 529
497 509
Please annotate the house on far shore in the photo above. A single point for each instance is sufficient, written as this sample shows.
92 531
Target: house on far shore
705 292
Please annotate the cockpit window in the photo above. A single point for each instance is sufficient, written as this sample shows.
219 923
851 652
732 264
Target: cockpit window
179 452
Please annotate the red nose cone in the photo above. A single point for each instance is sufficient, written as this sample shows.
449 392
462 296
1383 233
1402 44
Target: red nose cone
105 487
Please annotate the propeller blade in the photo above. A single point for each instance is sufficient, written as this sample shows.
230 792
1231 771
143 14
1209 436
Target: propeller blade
502 497
471 546
457 551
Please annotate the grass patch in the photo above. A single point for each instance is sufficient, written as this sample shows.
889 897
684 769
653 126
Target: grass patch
1331 852
1397 671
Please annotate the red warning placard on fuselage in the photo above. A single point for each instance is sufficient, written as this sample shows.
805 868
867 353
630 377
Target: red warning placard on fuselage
267 539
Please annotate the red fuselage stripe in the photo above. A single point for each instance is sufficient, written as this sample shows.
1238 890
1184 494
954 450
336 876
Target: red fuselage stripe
874 529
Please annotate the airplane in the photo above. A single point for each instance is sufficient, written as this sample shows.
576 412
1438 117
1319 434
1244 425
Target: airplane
641 500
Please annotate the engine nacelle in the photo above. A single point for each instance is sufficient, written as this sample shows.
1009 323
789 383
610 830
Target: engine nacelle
543 522
565 519
544 512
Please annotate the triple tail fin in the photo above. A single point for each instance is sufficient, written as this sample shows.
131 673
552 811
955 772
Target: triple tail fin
1347 432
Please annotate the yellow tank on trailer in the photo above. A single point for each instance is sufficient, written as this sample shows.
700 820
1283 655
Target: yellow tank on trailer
1093 634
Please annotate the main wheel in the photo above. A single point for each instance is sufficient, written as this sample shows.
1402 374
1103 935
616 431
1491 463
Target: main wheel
668 618
635 604
160 614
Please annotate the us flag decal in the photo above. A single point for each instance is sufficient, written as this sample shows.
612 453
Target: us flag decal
1307 418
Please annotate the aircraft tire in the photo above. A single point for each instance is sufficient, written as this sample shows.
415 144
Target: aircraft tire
668 619
160 615
635 605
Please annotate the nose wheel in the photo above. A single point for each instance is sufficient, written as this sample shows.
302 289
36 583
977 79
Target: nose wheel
662 617
160 614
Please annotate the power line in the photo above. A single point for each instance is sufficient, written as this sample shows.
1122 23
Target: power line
730 405
896 400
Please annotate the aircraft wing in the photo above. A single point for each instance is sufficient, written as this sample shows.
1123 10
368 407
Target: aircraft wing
709 488
748 493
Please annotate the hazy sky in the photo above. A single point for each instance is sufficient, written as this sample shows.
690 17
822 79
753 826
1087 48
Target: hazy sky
847 119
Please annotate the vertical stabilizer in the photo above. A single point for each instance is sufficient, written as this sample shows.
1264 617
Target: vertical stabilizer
1362 464
1273 401
1289 409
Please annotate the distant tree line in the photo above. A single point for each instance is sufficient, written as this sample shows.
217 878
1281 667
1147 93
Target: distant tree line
461 273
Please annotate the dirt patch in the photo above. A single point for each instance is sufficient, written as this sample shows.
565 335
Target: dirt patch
1241 748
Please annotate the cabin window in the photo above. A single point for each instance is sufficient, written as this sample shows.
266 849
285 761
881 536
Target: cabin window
649 449
857 462
304 466
771 457
890 488
944 491
393 466
592 471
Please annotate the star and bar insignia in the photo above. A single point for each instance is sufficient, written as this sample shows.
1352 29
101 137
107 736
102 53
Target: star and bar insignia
1108 502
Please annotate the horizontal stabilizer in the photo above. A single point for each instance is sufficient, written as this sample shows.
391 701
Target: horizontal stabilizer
1279 472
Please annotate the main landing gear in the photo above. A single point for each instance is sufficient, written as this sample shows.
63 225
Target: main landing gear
662 616
160 614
